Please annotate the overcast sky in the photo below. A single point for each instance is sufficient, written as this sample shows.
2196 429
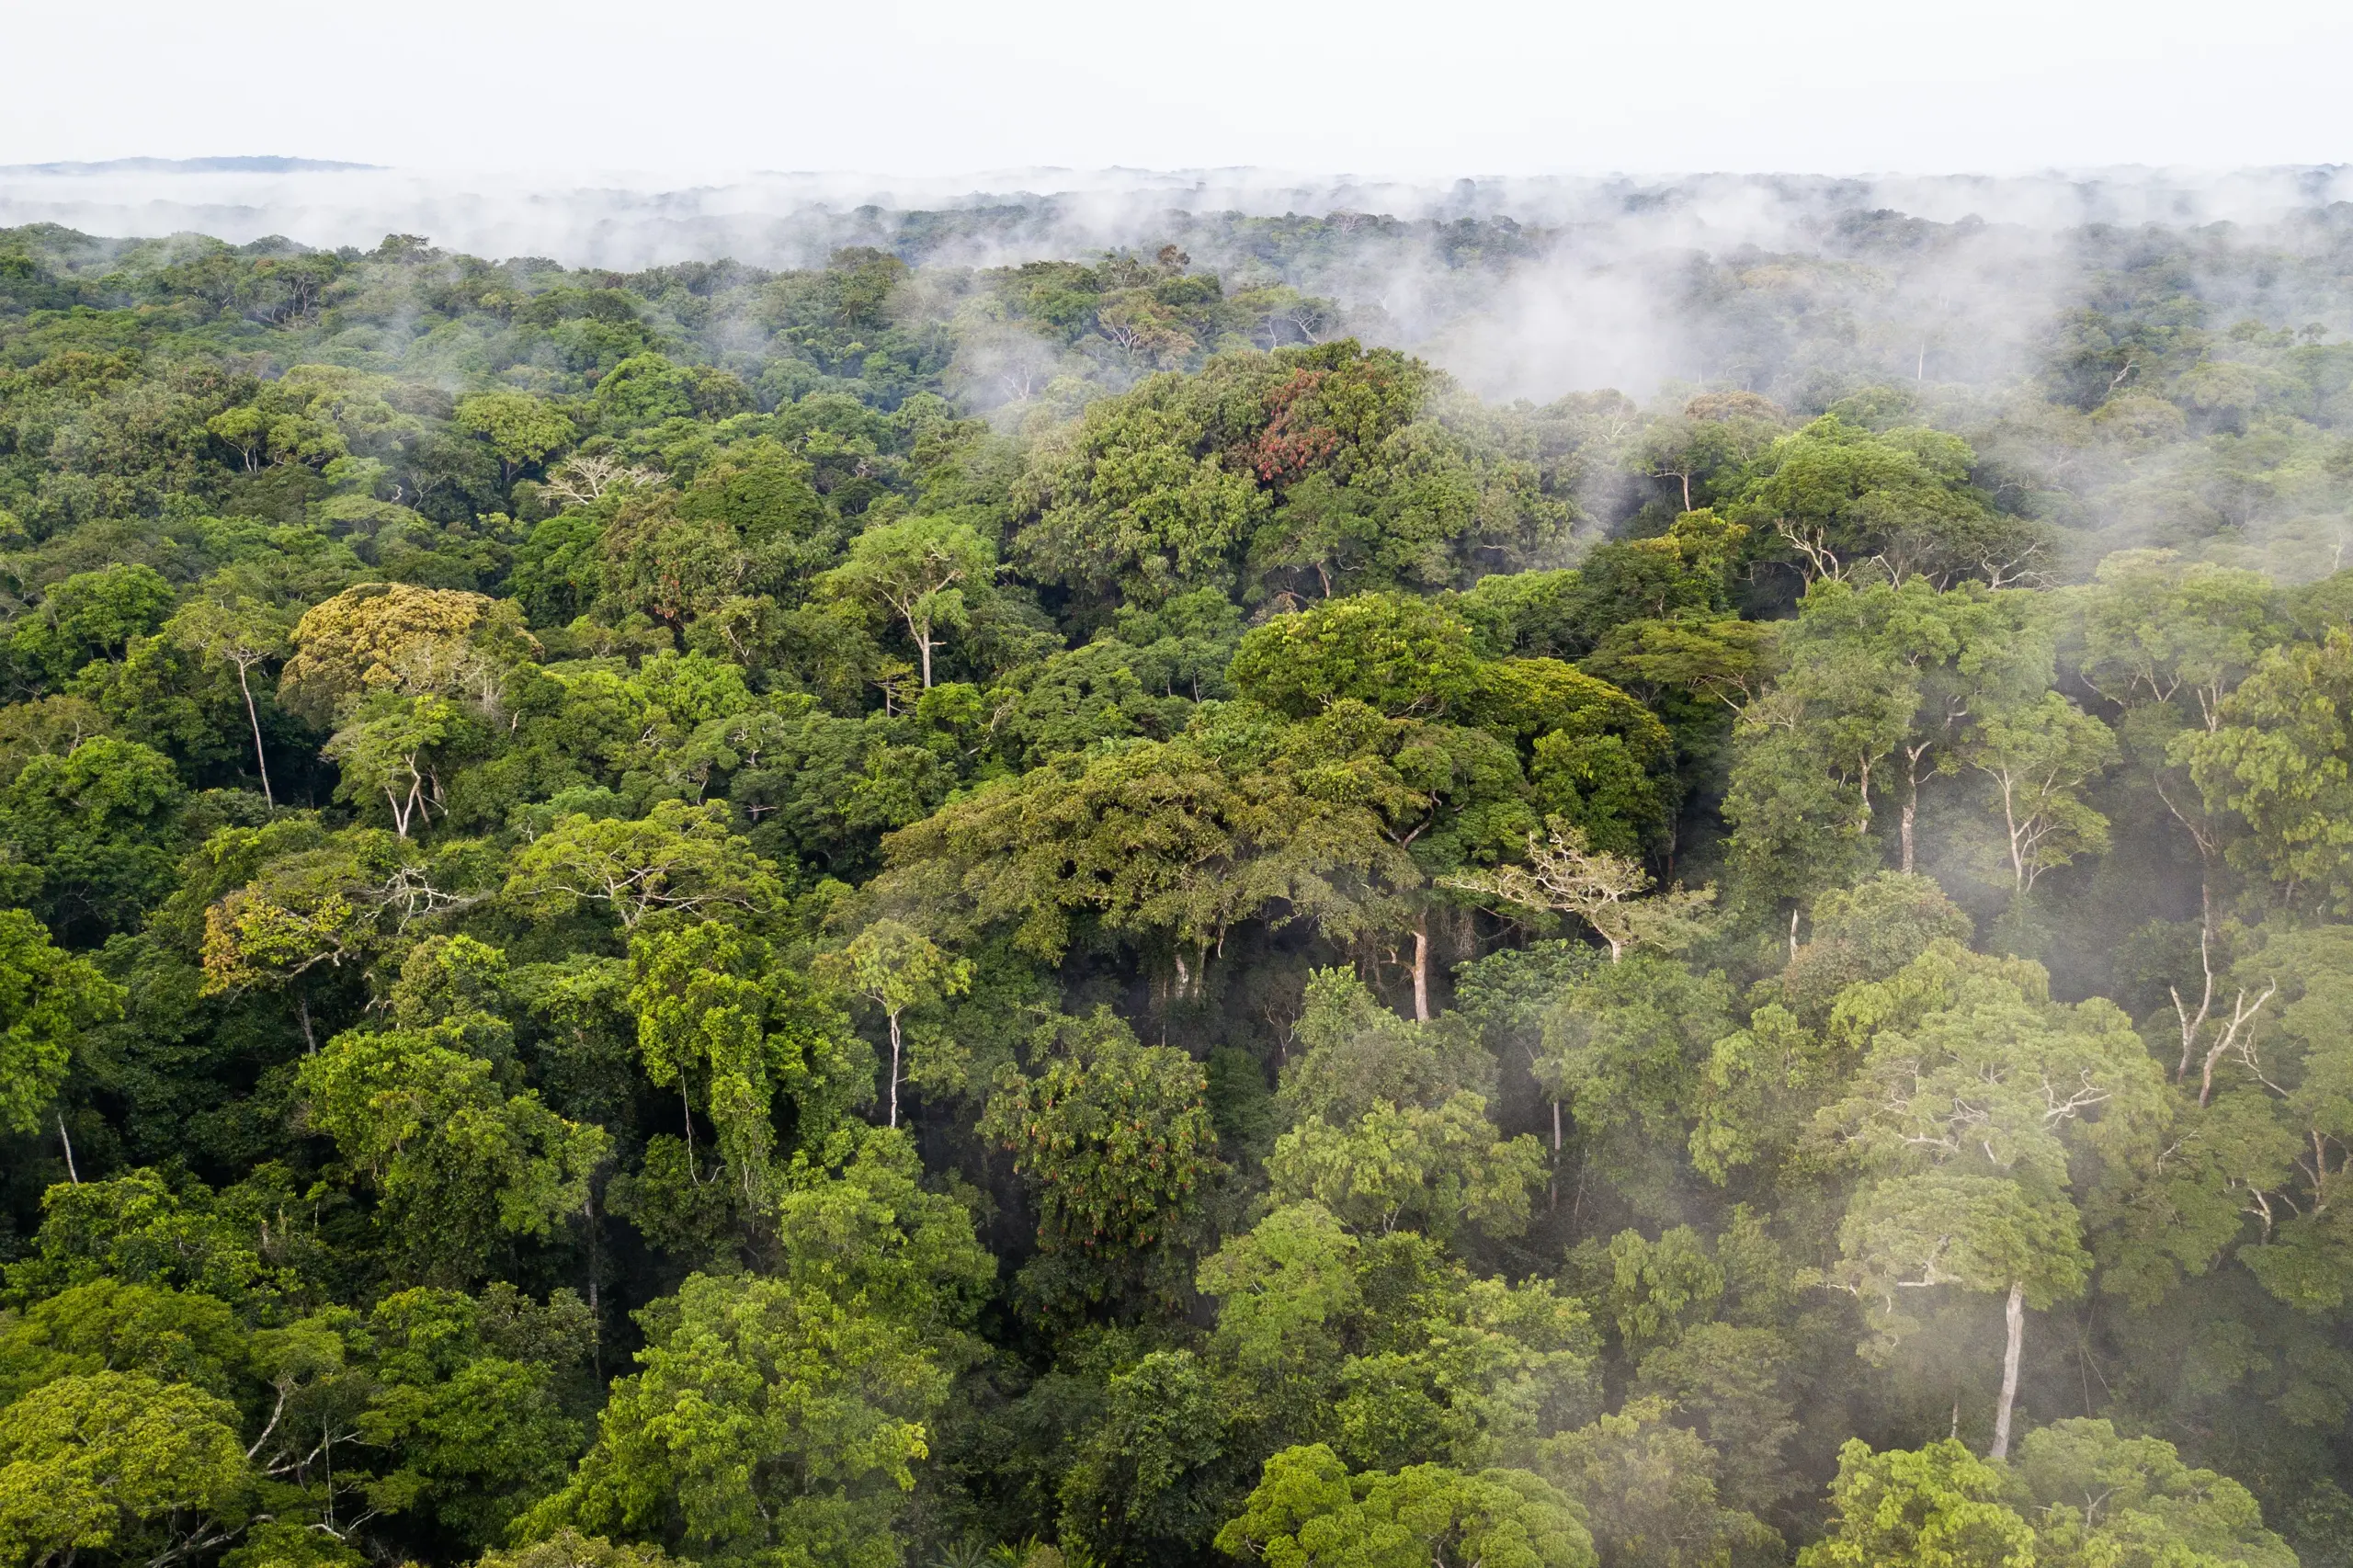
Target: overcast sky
1376 87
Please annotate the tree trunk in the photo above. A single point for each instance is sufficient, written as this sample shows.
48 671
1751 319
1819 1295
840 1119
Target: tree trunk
2015 1315
67 1139
260 760
1553 1181
1911 806
894 1068
923 649
596 1309
1422 968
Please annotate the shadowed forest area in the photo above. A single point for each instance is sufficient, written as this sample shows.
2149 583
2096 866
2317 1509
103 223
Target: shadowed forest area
1066 914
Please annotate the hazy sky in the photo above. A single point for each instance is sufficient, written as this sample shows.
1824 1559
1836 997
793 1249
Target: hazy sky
929 86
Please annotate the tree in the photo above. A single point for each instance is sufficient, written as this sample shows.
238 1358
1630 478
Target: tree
293 897
1731 1383
1309 1512
2160 630
856 1223
142 1230
1429 1167
1878 687
1354 1055
676 861
924 571
117 1461
1182 840
244 634
1623 1047
47 999
669 565
92 836
458 1161
2269 1118
2167 642
897 968
520 428
1156 1477
1137 501
567 1548
1114 1141
1841 496
398 748
1564 877
398 638
1964 1107
463 1402
766 1422
2277 759
175 1337
1285 1290
1648 1490
1983 1234
2094 1496
715 1010
2039 756
1938 1504
1864 933
1393 653
91 615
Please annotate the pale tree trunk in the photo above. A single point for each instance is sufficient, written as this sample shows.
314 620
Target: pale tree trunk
260 760
894 1068
1422 968
1553 1183
67 1139
1911 803
2013 1314
923 649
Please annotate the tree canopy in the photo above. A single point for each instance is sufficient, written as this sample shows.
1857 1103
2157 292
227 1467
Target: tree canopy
1080 913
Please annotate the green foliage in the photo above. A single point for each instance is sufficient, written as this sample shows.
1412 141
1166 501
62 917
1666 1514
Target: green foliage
47 999
676 861
1394 654
722 1023
1648 1491
1940 1505
1309 1509
495 751
922 571
2276 759
764 1419
92 836
91 615
521 429
1113 1138
456 1162
2149 1506
1431 1168
117 1461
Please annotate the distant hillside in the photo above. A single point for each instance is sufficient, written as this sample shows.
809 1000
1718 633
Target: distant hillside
259 165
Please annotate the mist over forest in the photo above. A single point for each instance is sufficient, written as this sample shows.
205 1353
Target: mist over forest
1078 869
